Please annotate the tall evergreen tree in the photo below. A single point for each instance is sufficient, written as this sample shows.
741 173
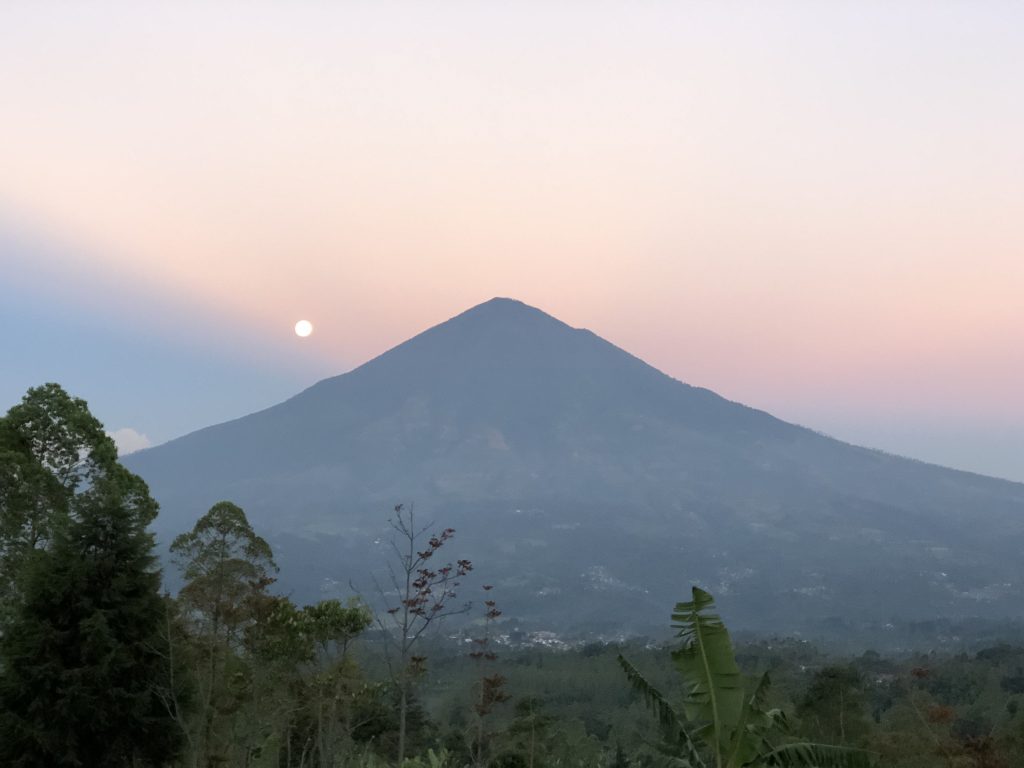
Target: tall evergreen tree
83 655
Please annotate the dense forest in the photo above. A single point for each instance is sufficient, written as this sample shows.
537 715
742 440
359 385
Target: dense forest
100 667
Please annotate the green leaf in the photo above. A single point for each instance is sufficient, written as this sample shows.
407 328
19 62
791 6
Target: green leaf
708 666
749 737
807 755
671 723
736 727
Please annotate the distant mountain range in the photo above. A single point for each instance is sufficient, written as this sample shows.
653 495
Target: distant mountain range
592 489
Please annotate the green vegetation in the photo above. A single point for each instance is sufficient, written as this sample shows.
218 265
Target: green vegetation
82 655
97 668
731 723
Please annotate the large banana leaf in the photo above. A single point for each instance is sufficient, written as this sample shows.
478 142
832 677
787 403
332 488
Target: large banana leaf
671 723
805 755
706 661
737 729
750 737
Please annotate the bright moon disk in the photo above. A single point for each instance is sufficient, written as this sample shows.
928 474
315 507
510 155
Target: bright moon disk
303 328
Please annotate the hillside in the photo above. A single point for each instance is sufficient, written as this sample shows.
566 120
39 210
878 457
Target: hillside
592 488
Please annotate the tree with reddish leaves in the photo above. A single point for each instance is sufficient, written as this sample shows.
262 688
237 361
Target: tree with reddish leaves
423 595
490 686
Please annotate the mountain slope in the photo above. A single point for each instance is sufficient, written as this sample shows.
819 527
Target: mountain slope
589 485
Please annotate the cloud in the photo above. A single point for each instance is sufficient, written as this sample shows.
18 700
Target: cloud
129 441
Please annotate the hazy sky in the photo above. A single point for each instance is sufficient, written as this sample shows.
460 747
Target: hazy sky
816 208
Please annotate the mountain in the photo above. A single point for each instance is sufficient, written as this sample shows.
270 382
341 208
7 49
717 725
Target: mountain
592 489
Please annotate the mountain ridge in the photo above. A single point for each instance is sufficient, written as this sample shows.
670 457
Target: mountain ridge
504 413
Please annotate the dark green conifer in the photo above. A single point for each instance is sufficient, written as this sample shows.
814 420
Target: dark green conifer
83 662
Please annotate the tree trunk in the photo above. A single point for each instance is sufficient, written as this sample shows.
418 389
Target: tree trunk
403 708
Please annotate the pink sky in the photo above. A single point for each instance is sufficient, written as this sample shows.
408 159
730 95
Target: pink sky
815 208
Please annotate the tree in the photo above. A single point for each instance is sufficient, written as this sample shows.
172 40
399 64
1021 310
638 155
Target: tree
531 726
83 656
226 568
332 627
619 760
266 694
51 446
490 686
833 707
723 723
424 597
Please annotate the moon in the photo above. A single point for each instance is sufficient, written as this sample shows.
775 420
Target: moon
303 328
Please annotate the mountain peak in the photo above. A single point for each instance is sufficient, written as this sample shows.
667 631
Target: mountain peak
500 331
502 310
499 302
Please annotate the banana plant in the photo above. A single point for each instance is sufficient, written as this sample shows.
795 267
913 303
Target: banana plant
723 724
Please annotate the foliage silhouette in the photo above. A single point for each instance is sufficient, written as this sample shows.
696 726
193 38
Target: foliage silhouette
722 723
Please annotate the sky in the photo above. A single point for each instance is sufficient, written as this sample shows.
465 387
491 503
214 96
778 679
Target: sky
812 208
